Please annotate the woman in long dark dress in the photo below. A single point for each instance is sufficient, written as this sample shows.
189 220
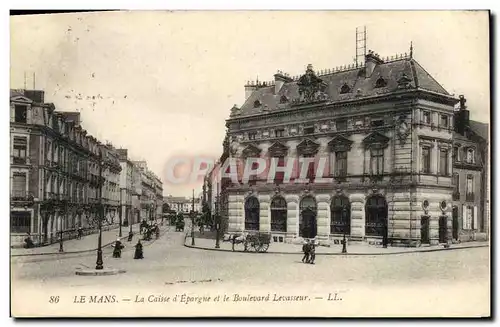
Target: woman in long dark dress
138 251
117 251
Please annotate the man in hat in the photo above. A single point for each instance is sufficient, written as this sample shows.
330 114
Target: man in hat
118 246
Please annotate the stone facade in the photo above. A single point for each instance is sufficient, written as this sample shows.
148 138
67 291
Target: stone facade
385 130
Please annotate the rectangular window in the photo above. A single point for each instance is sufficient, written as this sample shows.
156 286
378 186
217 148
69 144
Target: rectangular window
18 184
20 114
20 222
377 161
455 154
310 168
19 151
377 123
426 117
341 163
426 160
279 133
470 188
308 130
443 121
251 136
443 162
470 218
341 125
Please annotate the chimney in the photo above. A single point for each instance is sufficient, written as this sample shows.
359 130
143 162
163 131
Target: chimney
280 79
250 87
371 61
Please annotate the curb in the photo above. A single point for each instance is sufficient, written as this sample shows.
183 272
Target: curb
70 252
342 254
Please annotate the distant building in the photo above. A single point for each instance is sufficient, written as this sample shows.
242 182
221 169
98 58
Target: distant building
151 192
387 130
470 177
181 204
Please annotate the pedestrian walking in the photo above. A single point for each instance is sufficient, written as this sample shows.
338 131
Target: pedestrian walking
157 231
306 250
130 236
138 251
117 251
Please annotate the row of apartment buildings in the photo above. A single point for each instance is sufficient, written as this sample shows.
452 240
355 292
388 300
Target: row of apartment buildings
405 160
63 178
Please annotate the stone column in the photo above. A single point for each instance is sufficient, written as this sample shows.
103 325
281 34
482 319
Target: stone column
322 221
234 216
434 158
357 214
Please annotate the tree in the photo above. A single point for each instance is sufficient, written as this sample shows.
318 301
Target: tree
206 214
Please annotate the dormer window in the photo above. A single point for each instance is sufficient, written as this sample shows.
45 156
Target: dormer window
470 155
283 99
257 104
381 82
345 89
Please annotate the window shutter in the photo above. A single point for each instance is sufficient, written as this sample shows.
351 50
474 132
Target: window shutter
464 217
475 219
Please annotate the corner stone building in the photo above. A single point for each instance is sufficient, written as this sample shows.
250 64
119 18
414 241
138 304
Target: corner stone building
386 127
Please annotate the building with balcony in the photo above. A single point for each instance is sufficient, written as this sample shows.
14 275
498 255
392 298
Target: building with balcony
368 149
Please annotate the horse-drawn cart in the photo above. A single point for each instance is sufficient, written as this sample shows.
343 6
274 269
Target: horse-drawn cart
258 242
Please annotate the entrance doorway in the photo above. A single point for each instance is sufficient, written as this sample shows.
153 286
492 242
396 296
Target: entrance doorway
442 229
424 230
455 223
307 222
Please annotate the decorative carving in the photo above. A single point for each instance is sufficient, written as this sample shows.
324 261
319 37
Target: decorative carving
307 147
340 143
251 151
404 81
311 87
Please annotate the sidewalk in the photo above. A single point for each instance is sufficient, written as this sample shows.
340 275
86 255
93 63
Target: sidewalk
85 244
352 249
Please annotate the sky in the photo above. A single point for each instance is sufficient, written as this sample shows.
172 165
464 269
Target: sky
164 82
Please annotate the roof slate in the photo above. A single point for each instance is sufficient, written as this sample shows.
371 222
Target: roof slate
355 79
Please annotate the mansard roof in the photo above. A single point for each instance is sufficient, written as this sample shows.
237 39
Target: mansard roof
407 68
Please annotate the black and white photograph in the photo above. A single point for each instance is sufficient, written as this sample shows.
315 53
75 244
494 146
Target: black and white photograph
173 163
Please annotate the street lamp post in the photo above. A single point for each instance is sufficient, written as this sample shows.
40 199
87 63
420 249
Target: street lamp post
217 224
61 245
344 243
100 214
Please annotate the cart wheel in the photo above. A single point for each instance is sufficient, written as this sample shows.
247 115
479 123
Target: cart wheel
264 247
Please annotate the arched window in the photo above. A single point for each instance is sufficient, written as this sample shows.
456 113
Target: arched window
381 82
340 210
307 219
252 214
376 216
345 89
278 214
